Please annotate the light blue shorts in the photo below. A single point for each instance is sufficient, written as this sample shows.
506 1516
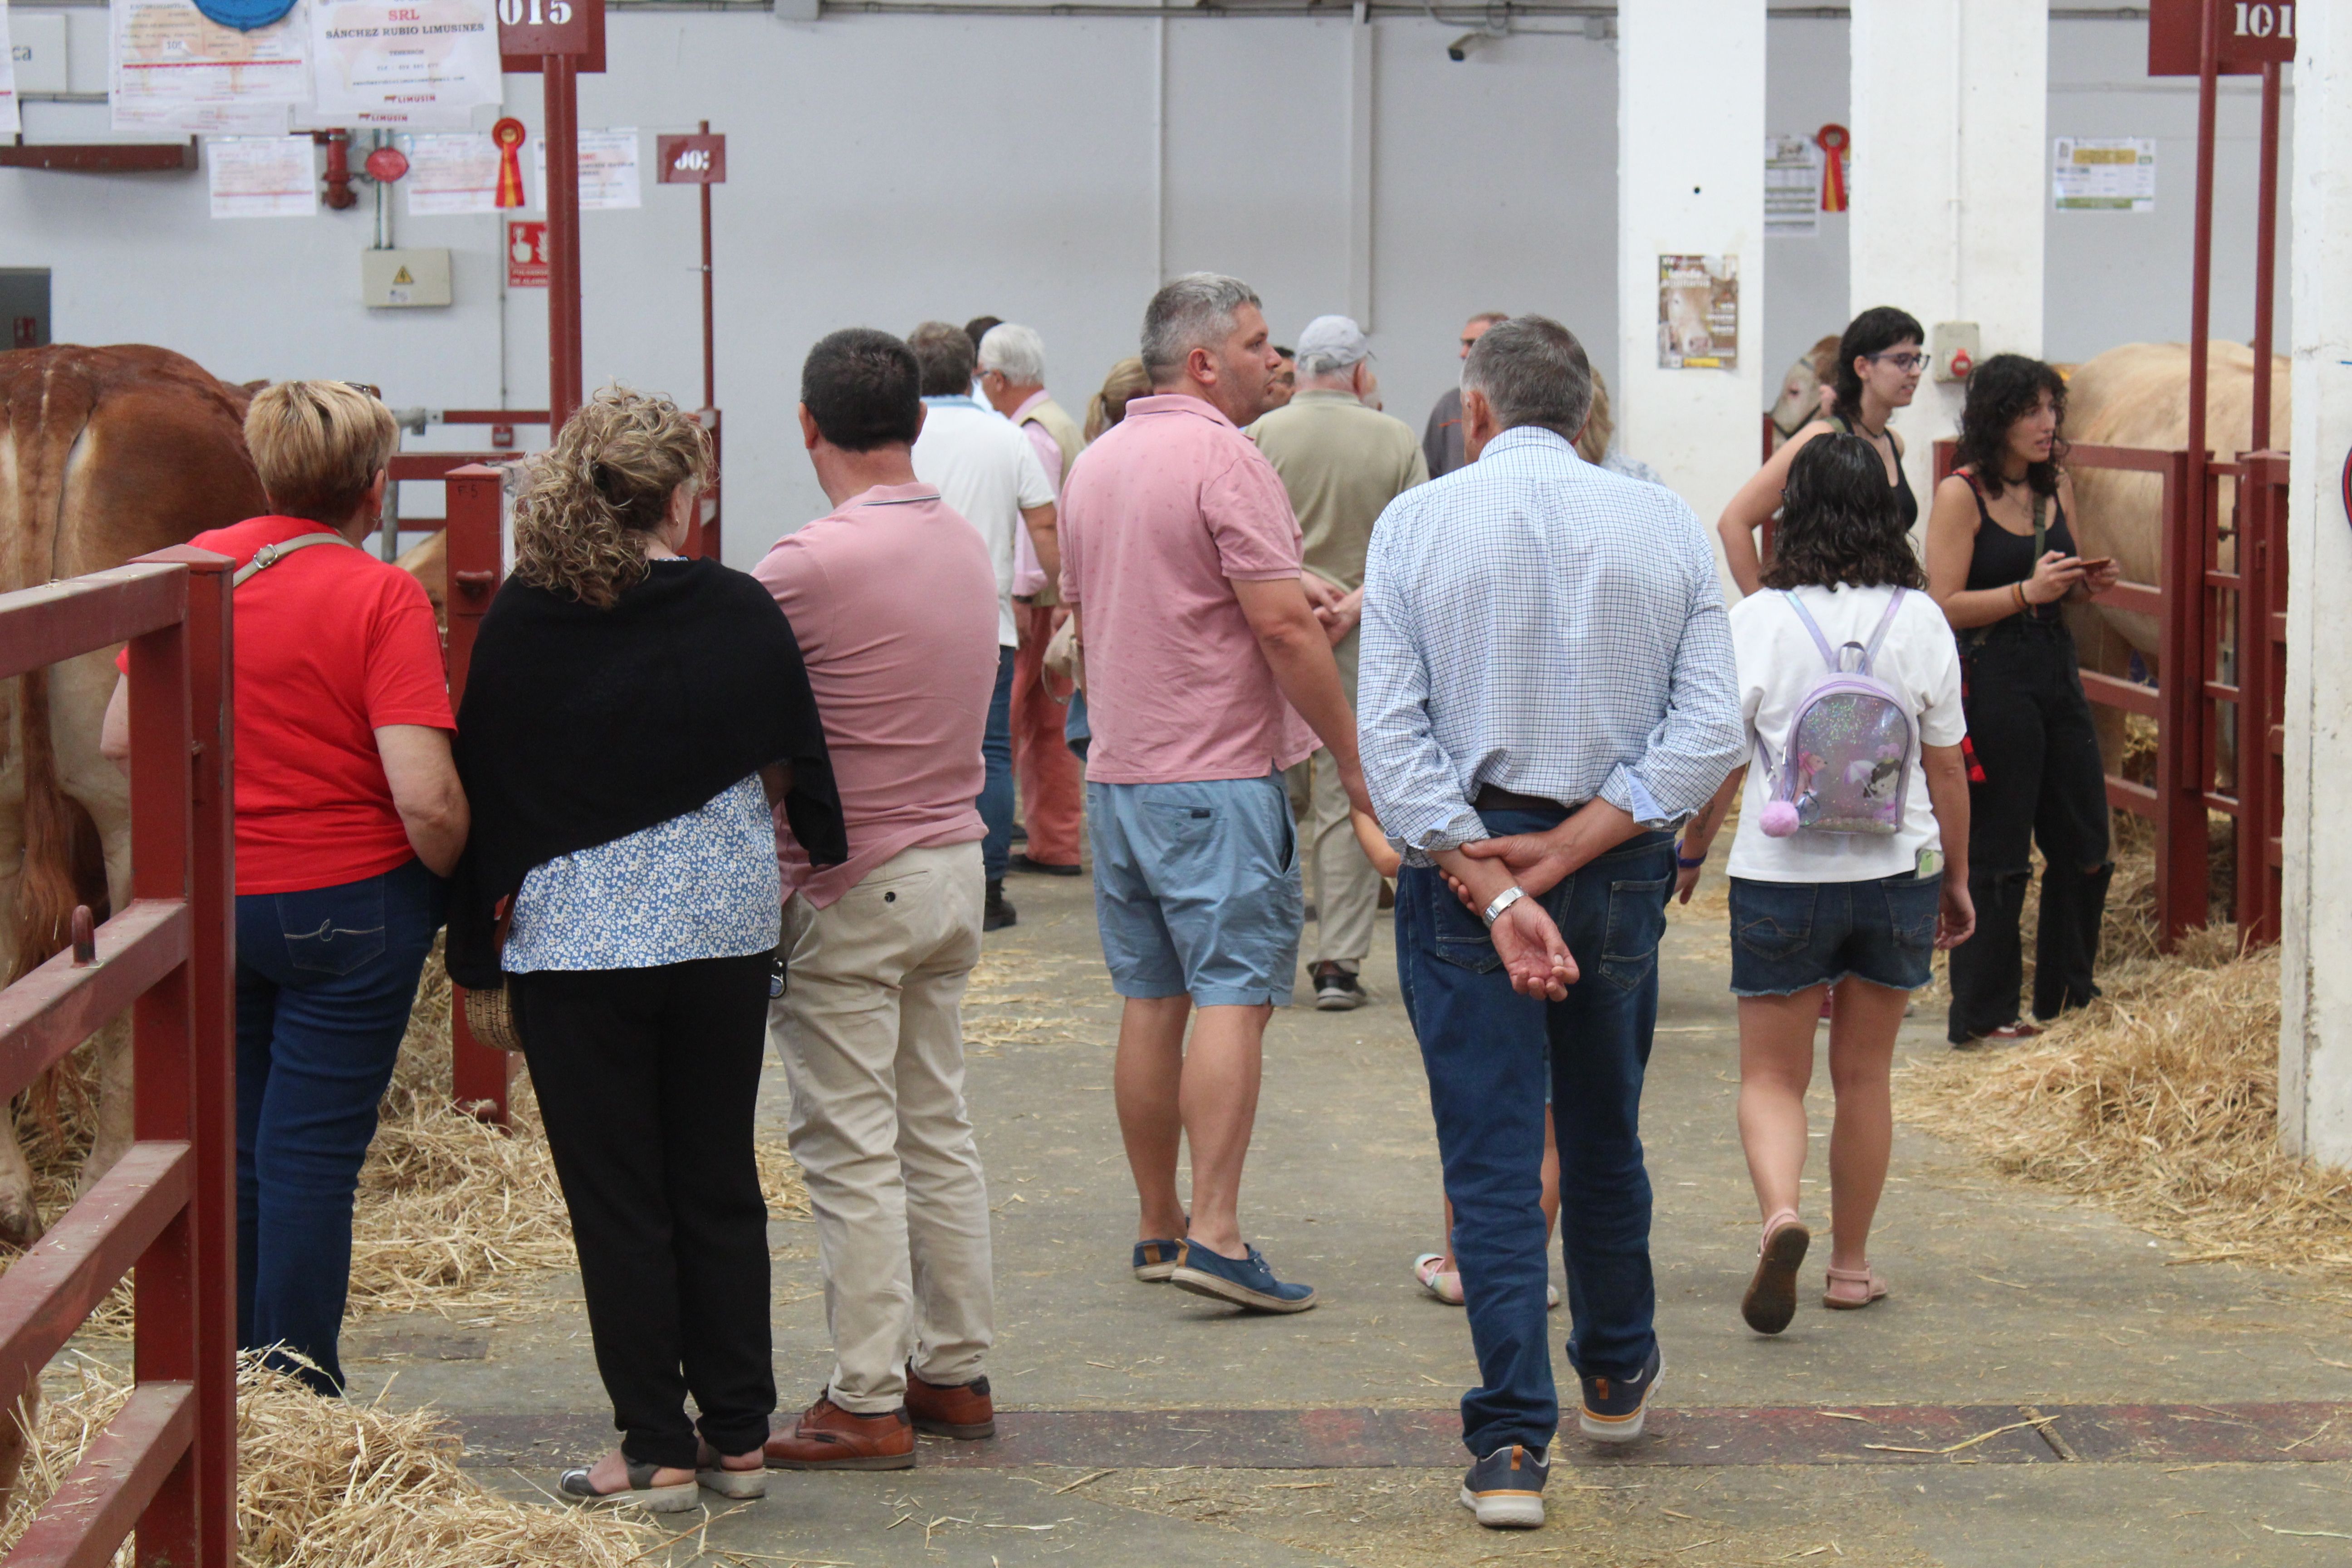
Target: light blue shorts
1196 890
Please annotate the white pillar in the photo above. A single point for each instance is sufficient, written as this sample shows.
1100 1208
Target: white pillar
1690 181
2316 1039
1950 166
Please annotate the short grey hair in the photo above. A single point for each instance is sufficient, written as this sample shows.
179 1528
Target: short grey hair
1532 370
1015 353
1194 311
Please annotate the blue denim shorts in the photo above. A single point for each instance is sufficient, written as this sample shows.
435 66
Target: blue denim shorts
1196 890
1786 937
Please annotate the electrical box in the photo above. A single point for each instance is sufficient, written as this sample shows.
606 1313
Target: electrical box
37 45
390 280
1956 348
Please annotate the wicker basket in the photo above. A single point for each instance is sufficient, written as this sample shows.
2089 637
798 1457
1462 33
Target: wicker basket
490 1016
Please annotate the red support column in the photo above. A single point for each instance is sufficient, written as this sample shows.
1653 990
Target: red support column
2265 254
560 84
2182 874
480 1076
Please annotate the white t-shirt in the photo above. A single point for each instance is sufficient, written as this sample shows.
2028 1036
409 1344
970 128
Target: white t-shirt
1779 664
986 471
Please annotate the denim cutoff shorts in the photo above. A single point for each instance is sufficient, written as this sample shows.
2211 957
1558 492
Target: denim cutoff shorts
1786 937
1197 890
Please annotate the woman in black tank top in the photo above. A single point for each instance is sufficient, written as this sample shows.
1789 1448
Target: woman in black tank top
1879 364
2001 562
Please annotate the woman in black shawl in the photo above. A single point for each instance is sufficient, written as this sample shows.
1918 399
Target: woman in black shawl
631 718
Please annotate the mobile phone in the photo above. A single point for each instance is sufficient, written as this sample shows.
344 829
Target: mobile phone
2094 562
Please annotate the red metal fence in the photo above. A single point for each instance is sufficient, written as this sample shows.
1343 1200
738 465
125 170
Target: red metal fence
2221 678
165 1467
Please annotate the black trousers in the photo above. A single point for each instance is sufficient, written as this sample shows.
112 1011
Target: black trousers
2043 784
647 1080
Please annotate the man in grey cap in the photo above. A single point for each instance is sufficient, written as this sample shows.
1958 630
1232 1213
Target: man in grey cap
1342 462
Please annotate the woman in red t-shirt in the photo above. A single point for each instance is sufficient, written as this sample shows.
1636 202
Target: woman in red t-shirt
349 815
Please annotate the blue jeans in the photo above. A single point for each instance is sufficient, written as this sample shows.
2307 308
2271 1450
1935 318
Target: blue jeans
324 982
1490 1053
996 792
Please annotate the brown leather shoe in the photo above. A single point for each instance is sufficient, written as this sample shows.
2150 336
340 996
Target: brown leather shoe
951 1410
827 1437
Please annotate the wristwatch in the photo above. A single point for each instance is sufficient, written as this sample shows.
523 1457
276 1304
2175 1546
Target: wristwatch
1503 901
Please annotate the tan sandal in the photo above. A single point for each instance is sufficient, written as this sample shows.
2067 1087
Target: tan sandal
1771 1299
1874 1288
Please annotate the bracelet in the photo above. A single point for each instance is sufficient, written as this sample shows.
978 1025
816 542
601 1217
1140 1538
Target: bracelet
1687 865
2023 603
1503 901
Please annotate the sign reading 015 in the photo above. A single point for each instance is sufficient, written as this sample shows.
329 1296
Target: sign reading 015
543 27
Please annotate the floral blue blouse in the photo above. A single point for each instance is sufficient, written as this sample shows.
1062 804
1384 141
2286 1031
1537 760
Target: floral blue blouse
702 885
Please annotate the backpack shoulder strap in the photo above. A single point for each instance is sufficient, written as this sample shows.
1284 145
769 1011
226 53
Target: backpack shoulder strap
1821 642
1885 624
269 555
2041 525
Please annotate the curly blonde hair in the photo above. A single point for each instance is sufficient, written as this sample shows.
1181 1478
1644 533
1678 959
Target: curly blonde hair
581 522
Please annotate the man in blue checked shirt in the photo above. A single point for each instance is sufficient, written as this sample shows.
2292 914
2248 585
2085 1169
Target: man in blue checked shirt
1546 690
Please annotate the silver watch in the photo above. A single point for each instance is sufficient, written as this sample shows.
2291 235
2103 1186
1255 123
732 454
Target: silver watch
1503 901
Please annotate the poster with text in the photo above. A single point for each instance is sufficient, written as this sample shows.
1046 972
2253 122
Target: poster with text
262 176
174 69
1698 313
608 169
451 174
2104 173
423 63
1792 187
9 124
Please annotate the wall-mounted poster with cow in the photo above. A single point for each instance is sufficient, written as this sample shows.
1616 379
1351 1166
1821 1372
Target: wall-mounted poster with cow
1698 313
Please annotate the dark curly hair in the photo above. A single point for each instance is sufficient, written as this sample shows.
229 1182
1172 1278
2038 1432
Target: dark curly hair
2002 391
1876 330
1838 522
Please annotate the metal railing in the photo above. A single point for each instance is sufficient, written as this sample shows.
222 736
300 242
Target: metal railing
165 1466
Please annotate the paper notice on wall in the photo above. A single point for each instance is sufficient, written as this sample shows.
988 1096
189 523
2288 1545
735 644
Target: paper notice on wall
426 63
173 68
9 124
262 176
1698 313
608 168
450 173
2104 173
1792 187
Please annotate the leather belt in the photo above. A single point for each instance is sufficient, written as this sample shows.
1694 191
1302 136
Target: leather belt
1491 798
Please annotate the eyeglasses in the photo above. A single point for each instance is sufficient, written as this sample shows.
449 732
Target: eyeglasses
1903 361
374 392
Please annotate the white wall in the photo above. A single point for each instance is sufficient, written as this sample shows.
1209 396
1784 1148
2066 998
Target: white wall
881 173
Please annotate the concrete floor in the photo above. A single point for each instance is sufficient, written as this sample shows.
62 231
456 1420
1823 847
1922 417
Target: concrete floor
2003 1296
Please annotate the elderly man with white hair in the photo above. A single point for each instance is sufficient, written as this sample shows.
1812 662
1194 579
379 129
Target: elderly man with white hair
1341 462
1013 380
1208 674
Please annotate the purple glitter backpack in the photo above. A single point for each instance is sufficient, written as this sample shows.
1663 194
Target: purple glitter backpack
1847 765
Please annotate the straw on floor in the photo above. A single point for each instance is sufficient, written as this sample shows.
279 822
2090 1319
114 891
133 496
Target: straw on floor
325 1482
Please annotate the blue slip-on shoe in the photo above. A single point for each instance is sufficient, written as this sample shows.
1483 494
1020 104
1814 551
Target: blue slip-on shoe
1156 1260
1244 1281
1504 1490
1615 1408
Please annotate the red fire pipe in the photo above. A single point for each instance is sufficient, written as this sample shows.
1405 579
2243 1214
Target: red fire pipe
338 143
2265 255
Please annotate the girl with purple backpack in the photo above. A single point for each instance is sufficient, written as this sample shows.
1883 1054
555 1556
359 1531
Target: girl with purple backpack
1850 866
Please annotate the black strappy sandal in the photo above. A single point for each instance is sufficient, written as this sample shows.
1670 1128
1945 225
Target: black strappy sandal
574 1487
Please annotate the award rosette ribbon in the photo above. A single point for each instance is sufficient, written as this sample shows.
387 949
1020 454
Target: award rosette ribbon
1833 139
508 134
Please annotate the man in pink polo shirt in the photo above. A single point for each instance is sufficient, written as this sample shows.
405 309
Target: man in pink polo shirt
893 597
1207 674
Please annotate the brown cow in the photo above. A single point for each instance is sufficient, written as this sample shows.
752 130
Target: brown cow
1800 400
2137 395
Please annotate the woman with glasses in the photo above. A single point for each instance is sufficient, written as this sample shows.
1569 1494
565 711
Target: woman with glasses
1880 361
2000 561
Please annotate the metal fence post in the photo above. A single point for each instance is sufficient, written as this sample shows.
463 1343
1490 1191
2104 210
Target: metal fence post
2182 874
480 1074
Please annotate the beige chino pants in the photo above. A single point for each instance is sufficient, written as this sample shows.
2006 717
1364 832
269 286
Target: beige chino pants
870 1031
1341 884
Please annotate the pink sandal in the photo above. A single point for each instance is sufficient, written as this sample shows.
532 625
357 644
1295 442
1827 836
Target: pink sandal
1873 1289
1771 1299
1445 1284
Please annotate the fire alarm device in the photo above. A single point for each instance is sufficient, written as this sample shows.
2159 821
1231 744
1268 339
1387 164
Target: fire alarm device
1955 347
386 163
394 280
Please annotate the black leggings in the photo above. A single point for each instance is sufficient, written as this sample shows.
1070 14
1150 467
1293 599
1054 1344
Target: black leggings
647 1080
2031 726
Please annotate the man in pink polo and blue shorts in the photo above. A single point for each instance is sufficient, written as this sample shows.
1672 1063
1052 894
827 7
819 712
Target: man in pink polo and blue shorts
1207 674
